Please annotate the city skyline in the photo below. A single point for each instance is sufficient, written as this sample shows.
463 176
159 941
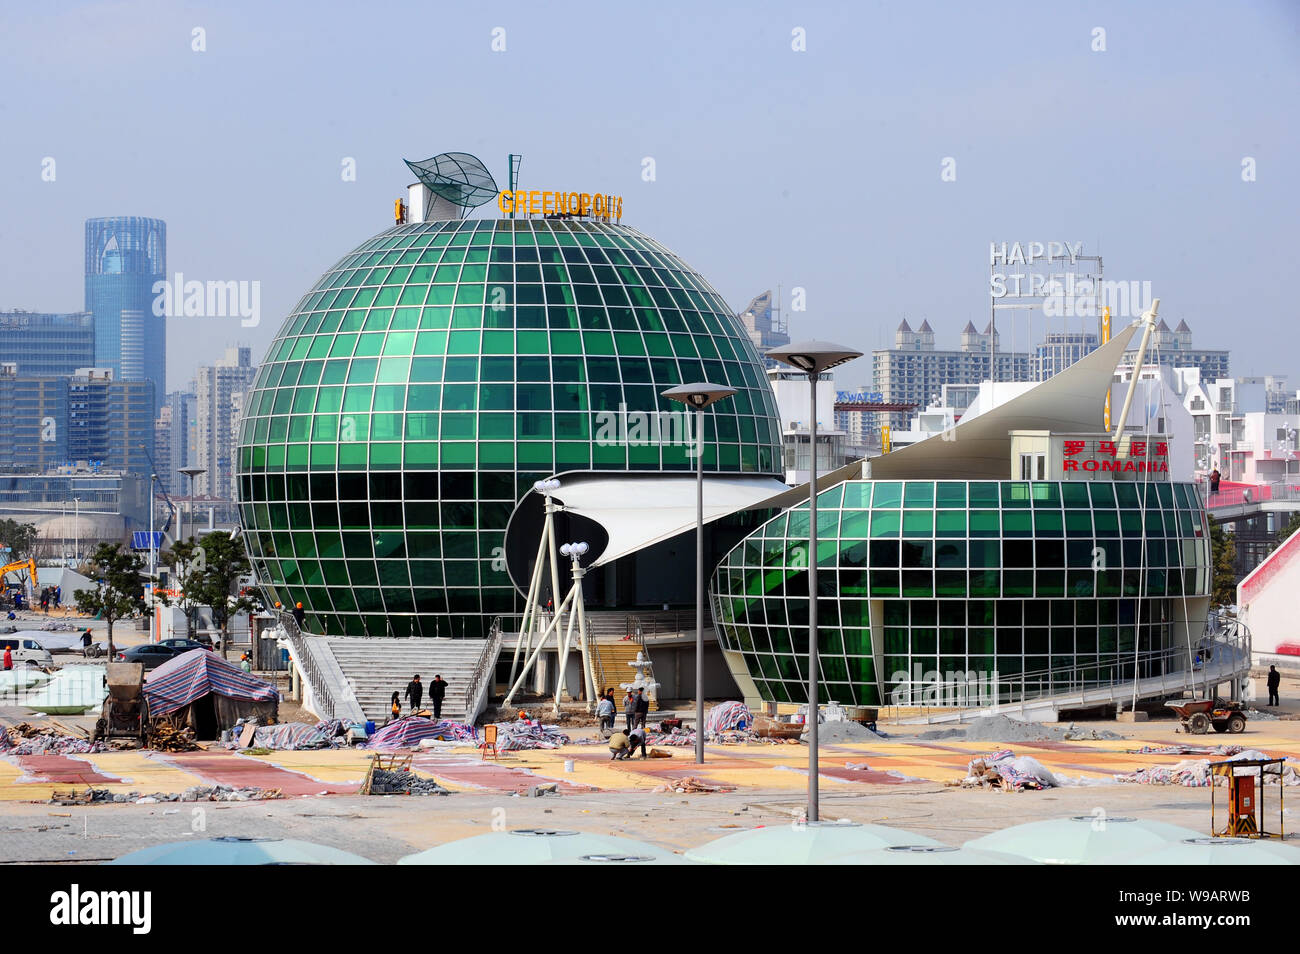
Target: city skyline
1120 168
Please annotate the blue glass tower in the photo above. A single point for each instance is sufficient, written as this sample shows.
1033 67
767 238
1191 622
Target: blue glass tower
125 256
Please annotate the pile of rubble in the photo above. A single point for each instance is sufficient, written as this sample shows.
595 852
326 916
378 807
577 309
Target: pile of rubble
27 739
196 793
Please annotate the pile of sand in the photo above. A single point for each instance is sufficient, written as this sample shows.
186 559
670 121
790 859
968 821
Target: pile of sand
833 733
1000 728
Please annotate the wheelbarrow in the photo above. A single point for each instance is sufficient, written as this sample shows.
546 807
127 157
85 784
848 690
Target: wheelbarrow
1198 715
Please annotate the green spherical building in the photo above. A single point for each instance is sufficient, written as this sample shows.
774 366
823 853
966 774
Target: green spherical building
434 373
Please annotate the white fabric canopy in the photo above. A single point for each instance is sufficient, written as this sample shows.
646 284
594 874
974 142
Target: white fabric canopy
640 510
979 448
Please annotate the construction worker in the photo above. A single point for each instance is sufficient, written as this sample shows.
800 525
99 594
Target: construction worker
618 746
244 663
299 615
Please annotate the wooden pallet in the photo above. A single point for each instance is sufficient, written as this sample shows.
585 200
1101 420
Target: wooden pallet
391 762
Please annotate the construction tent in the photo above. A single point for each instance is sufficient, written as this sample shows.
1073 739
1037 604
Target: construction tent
209 694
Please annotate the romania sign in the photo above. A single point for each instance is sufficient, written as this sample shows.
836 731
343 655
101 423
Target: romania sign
1093 456
585 204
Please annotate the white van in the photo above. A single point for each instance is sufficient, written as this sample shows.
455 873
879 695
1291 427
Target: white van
26 650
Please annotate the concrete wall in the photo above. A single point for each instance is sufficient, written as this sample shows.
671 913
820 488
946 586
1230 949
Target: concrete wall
1266 599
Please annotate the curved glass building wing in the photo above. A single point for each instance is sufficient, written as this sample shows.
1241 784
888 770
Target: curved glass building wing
1017 588
429 377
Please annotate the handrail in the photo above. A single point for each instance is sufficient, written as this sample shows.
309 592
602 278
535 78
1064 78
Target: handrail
307 665
478 682
1222 634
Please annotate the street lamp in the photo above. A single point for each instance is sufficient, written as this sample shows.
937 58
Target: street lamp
699 395
152 550
76 539
191 472
812 358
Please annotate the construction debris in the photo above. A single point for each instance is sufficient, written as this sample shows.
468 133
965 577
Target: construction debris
1195 773
27 739
1004 770
690 785
165 736
196 793
387 782
407 733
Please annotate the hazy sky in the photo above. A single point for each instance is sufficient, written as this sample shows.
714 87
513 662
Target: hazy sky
818 169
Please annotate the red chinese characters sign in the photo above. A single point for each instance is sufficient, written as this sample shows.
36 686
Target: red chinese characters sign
1143 456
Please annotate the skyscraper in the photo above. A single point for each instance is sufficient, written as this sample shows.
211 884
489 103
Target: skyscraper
219 390
125 256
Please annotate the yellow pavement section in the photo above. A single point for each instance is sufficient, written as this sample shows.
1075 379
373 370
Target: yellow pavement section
333 766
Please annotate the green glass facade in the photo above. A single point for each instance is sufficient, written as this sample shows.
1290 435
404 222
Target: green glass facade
428 378
1079 580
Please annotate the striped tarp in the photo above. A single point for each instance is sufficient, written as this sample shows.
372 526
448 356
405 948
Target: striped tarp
406 733
192 675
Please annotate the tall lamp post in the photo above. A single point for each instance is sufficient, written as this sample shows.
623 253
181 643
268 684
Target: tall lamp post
76 538
699 395
812 358
191 472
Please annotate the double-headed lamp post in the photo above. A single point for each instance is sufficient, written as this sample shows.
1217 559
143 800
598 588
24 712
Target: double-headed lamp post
699 395
812 358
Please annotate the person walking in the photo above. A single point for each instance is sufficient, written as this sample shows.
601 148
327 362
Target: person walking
437 692
86 640
605 712
396 708
1274 681
635 738
618 746
9 659
299 615
629 710
642 707
415 692
1215 477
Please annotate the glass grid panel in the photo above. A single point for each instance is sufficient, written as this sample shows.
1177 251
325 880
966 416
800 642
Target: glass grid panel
429 377
1073 579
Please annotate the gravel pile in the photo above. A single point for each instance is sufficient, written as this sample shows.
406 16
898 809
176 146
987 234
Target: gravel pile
384 782
831 733
1000 728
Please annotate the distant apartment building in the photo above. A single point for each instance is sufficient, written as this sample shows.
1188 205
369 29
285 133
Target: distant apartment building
218 404
762 320
914 372
174 439
1059 350
44 345
1174 349
1237 432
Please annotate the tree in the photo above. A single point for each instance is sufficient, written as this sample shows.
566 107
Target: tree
119 592
187 559
20 538
225 561
1223 562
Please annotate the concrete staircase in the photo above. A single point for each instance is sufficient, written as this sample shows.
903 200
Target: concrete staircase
376 668
610 661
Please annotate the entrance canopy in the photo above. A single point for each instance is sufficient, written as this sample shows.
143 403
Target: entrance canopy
638 511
